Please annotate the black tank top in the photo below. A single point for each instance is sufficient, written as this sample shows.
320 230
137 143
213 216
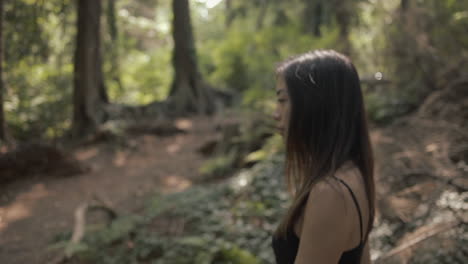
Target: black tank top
286 248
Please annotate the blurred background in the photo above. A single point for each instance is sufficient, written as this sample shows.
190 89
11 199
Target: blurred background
140 131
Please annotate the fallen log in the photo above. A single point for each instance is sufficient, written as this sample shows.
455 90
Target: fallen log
97 203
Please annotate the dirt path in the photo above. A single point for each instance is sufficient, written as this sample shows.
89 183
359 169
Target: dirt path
34 210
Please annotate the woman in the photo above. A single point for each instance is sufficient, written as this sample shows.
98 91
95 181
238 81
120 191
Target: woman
329 163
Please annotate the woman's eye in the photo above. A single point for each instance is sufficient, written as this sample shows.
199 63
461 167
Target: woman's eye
281 100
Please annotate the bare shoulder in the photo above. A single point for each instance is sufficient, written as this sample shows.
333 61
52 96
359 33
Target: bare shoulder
326 200
329 220
324 214
326 207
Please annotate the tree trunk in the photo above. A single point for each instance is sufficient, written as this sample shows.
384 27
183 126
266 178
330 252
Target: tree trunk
404 5
2 86
312 17
343 19
229 13
114 45
188 92
261 16
318 11
89 92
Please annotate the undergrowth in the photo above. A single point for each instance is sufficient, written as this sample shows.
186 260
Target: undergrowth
231 222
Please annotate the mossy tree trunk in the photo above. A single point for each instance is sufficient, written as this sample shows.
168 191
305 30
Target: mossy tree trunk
89 93
114 52
2 85
188 92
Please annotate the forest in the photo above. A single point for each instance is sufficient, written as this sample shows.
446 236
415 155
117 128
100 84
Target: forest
141 131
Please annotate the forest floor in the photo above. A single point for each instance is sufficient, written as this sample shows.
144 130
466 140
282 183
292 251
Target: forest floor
34 210
421 168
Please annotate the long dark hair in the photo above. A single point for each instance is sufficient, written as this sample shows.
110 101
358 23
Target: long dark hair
327 127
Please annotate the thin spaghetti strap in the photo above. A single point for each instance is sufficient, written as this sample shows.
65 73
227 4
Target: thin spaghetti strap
356 203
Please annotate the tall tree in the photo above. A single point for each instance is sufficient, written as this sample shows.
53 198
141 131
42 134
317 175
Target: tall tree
114 51
229 13
263 6
343 14
89 92
188 91
312 17
404 5
2 87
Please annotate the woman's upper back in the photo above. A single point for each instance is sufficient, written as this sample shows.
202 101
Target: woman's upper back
333 224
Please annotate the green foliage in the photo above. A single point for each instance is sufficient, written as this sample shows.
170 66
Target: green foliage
384 108
244 59
73 249
419 50
39 65
34 108
234 255
145 78
119 228
38 70
219 165
418 55
272 146
231 222
241 144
